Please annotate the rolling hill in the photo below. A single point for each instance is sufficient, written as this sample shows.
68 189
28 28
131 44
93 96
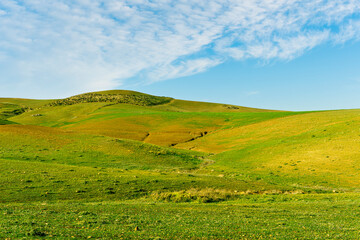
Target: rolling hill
124 145
284 150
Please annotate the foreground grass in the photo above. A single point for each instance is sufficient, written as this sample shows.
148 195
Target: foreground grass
322 216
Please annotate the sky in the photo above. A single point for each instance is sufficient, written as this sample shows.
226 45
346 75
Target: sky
275 54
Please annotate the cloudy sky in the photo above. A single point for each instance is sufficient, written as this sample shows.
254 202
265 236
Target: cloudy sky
280 54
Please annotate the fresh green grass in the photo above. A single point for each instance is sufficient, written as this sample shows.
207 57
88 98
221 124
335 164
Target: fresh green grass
316 150
25 181
161 127
89 166
8 110
5 122
22 102
275 150
41 144
333 216
10 107
192 106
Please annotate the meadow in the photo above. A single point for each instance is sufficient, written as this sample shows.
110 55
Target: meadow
122 164
257 217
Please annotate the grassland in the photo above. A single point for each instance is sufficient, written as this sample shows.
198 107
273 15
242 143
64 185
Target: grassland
270 217
122 164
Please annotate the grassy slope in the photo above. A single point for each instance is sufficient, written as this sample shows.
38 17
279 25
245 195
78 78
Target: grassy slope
86 152
40 160
23 102
280 149
192 106
10 107
158 124
317 149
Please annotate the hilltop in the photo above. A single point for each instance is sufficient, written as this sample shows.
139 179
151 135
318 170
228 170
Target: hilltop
114 97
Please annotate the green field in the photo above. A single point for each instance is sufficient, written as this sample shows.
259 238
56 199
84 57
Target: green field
122 164
257 217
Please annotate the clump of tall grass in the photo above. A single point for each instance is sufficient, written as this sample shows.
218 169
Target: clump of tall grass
208 195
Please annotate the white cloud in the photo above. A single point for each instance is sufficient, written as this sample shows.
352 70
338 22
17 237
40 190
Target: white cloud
182 69
252 93
292 46
348 31
82 45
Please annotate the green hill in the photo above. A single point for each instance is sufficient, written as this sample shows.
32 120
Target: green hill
285 150
167 123
124 145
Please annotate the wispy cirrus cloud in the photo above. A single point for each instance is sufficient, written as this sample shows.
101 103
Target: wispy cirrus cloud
252 93
47 47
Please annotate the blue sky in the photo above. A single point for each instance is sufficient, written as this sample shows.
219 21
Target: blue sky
326 77
278 54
